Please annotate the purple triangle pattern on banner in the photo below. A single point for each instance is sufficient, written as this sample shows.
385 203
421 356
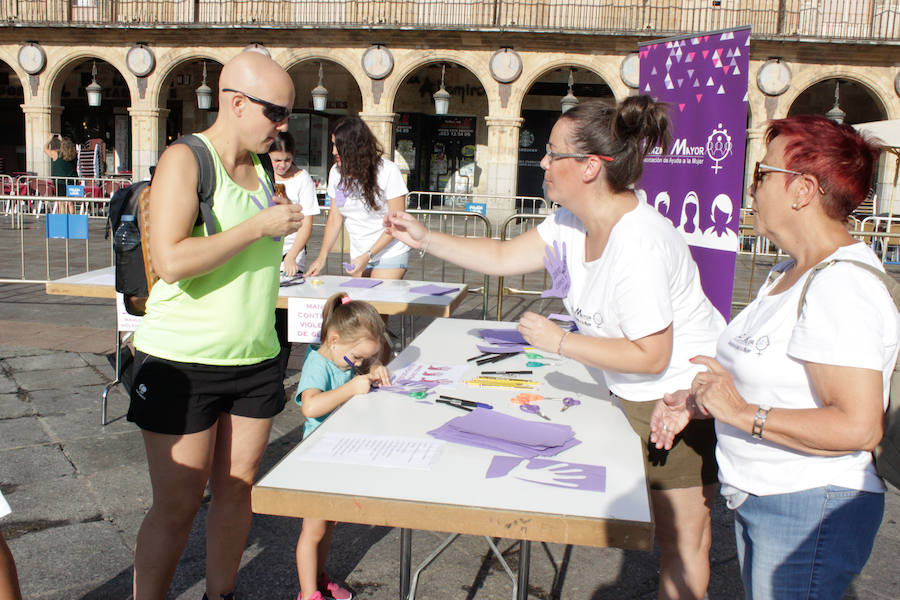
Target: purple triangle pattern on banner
698 184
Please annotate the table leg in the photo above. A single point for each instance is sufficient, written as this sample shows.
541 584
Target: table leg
104 402
405 561
524 564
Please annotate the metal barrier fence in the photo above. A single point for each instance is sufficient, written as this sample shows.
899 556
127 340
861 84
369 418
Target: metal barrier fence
512 227
465 224
38 257
454 201
74 195
29 256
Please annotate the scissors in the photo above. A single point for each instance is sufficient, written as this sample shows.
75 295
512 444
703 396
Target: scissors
568 401
534 409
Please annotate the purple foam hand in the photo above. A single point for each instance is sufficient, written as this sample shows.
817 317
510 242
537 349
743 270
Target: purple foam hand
556 266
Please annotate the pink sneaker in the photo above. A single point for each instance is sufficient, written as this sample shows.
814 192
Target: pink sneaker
316 596
333 591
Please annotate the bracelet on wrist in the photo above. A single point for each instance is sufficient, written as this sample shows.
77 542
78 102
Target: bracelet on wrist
759 421
424 249
561 340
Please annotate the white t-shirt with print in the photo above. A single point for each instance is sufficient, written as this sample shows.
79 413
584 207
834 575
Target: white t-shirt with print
645 280
365 226
848 320
301 190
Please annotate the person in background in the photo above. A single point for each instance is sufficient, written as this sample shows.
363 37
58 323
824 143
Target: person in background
798 400
299 189
63 164
628 279
207 378
363 187
348 362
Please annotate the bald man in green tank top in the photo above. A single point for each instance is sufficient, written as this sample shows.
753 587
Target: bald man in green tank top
207 380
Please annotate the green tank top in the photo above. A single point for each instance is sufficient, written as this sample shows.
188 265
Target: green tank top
226 316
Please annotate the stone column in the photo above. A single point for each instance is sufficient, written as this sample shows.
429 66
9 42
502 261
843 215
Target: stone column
40 120
148 134
501 167
382 126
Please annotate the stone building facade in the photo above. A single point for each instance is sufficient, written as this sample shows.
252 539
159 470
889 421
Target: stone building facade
505 64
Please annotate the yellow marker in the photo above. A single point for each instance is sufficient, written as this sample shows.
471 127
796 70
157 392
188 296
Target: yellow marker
508 383
315 282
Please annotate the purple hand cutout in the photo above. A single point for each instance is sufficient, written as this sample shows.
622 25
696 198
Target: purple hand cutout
554 473
340 197
555 264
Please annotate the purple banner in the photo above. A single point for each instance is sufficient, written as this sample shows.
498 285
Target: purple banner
699 184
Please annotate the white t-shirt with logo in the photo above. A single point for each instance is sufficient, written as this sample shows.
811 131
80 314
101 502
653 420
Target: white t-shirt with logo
365 226
645 280
848 320
301 190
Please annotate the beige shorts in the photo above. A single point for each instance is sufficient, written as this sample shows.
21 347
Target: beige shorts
692 460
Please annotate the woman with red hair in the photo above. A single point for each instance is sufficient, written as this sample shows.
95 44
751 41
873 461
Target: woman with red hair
800 380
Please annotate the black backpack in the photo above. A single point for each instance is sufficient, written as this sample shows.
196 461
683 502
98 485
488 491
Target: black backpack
134 273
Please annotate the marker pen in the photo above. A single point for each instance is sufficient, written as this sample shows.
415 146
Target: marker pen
455 403
470 404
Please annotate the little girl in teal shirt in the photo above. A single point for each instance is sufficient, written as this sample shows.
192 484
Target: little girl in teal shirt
349 360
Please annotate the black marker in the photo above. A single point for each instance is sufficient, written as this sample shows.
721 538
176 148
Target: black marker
507 372
456 403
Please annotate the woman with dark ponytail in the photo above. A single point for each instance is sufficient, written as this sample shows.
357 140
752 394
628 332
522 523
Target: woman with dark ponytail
628 279
363 187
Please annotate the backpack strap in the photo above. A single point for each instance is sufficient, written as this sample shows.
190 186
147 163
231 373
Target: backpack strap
266 161
778 269
206 180
890 283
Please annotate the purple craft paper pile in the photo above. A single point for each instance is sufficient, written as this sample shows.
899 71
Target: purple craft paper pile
494 430
361 282
502 336
433 290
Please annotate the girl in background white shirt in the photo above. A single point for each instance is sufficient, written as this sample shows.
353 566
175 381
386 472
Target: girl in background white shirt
363 187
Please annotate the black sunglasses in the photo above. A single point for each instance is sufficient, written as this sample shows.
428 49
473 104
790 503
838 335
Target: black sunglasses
272 112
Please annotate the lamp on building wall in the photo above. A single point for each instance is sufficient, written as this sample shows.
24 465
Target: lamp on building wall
569 100
320 94
836 114
204 92
441 97
93 88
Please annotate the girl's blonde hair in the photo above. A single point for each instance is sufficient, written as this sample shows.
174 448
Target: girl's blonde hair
353 320
67 149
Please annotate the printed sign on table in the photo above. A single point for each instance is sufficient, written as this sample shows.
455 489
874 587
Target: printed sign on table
698 185
124 320
304 319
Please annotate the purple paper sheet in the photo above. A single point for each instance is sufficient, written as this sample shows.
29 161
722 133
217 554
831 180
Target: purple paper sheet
433 290
448 434
497 431
361 282
502 336
556 473
502 349
506 427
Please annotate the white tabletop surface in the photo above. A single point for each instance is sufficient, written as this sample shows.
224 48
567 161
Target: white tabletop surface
389 297
457 479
